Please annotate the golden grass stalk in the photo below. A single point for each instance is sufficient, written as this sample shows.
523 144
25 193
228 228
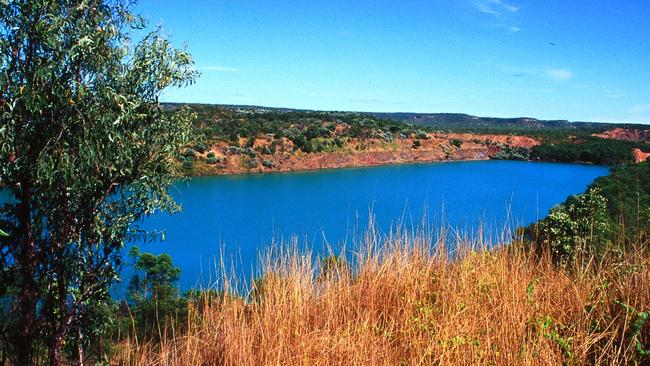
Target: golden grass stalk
397 301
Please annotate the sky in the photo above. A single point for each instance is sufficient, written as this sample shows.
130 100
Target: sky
581 60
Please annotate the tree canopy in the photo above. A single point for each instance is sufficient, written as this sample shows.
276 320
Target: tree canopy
86 152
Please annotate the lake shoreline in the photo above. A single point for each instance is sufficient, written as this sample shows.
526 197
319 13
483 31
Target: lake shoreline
413 162
266 154
237 214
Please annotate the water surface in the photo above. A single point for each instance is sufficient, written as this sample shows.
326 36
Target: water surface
242 214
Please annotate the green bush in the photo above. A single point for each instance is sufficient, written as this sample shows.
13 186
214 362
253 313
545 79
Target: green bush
200 147
153 294
187 164
189 153
581 225
590 149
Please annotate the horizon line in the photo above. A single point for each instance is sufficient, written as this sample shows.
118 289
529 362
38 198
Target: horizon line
400 112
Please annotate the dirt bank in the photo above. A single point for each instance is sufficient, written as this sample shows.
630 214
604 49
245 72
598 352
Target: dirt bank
625 135
356 153
640 156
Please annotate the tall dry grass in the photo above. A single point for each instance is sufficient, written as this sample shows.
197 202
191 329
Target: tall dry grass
397 301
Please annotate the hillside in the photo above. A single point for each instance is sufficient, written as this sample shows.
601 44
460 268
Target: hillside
250 139
452 121
466 122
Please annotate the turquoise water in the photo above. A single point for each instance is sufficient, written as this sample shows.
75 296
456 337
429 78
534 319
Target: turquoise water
239 215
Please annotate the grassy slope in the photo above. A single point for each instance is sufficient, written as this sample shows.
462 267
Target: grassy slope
405 304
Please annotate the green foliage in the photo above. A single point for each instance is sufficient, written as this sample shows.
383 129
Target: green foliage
590 149
421 135
553 332
310 131
187 164
458 122
250 163
159 276
153 293
456 142
200 147
627 189
579 226
190 153
87 151
613 209
267 163
509 153
640 319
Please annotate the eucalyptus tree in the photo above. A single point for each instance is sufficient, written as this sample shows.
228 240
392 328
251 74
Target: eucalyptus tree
86 152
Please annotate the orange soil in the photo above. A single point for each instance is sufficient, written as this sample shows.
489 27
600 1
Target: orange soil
625 135
629 135
368 152
640 156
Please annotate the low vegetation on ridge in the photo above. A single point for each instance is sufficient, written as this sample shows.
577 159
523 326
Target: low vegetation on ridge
240 139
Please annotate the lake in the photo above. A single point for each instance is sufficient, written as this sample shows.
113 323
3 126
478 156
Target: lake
240 215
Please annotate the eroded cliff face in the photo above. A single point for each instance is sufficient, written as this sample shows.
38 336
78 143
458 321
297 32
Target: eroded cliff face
625 135
356 153
640 156
633 135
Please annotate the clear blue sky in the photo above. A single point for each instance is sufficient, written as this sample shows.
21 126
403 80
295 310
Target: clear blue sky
552 59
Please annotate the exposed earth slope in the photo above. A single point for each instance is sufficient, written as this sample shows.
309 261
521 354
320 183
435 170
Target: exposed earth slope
248 139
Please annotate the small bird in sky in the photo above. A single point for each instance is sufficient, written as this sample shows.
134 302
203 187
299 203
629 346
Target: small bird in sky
552 43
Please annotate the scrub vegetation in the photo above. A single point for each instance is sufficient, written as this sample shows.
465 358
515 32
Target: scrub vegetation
259 134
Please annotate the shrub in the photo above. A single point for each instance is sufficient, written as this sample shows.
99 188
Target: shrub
188 164
189 152
579 226
267 163
250 163
200 147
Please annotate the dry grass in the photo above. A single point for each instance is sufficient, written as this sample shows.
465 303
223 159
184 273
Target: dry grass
400 302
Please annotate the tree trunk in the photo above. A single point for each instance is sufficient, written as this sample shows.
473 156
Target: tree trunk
80 347
27 258
63 323
55 351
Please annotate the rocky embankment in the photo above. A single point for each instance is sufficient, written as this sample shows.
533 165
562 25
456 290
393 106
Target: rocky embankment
222 158
635 135
632 135
640 156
